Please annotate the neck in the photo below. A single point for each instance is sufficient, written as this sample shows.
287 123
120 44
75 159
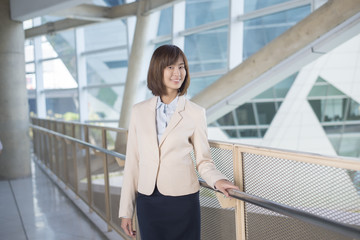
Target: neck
168 98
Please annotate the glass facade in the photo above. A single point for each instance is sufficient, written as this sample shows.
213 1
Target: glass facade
252 119
205 11
262 30
207 50
339 116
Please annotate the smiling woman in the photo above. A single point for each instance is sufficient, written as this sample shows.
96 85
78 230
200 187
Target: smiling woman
159 171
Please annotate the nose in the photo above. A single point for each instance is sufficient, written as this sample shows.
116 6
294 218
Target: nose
176 71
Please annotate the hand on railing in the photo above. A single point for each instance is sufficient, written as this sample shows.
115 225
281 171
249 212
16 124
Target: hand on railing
224 185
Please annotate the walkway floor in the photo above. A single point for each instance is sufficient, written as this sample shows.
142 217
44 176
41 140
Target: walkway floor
35 208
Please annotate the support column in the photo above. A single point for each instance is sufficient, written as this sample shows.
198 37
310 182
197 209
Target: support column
14 120
137 65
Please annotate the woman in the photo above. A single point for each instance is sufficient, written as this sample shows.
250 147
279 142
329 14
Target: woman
159 171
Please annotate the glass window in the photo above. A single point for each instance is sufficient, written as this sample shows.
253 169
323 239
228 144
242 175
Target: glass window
352 128
105 103
349 146
267 94
61 44
332 91
245 115
226 120
334 110
57 75
29 51
263 132
316 106
282 88
198 84
266 112
317 91
165 22
105 35
30 68
231 133
32 106
252 5
62 108
354 111
160 44
249 133
207 50
260 31
47 50
336 129
279 90
107 67
205 11
27 24
335 141
30 81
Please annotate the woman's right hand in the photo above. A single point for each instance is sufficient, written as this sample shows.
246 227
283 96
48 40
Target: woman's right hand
126 225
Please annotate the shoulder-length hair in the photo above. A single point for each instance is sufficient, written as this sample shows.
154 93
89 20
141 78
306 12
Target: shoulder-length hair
163 57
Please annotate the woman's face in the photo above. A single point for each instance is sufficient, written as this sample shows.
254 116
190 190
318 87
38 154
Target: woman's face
174 76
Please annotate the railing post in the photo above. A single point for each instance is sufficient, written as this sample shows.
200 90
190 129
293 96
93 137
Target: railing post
240 205
66 177
56 153
41 155
106 178
51 148
74 156
88 168
47 149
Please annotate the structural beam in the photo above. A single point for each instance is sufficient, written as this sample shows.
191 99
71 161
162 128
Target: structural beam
88 14
52 27
280 58
136 67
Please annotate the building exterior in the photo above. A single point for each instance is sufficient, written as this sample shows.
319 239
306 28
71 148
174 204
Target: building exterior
80 74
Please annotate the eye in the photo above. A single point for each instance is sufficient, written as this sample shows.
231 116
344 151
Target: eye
170 67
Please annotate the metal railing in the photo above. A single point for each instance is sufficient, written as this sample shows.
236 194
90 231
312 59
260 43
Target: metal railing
278 188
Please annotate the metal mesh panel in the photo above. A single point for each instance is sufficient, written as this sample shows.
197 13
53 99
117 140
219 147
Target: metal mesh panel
321 190
264 224
216 222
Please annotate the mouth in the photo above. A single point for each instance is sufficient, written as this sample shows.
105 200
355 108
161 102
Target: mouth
176 80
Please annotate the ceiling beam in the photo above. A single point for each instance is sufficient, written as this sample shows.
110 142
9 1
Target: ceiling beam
85 12
52 27
88 14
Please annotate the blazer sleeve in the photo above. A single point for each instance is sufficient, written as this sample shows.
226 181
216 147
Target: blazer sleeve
204 163
131 172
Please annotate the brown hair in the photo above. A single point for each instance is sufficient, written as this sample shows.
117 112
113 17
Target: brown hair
162 57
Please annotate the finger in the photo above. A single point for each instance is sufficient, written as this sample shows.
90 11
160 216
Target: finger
223 190
125 227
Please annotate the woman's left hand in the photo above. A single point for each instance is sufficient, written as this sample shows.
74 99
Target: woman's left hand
223 185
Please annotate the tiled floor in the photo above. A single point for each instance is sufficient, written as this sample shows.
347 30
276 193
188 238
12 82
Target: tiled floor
35 208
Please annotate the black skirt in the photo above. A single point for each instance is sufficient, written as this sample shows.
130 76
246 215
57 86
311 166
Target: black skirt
168 218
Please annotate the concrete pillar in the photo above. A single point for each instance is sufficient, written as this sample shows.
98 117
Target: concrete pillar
14 132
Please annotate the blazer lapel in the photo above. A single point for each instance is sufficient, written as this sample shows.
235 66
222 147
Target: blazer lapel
175 119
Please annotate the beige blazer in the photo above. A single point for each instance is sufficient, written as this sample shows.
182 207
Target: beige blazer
167 164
